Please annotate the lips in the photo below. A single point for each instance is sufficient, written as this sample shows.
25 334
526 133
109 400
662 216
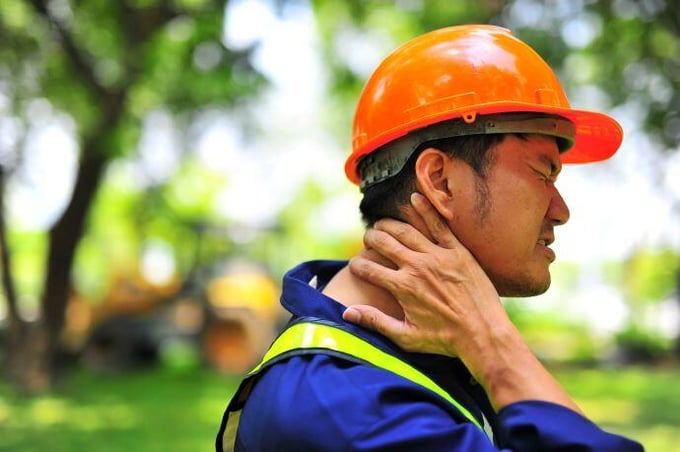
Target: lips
544 241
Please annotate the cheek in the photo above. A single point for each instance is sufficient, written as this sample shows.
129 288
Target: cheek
515 217
501 229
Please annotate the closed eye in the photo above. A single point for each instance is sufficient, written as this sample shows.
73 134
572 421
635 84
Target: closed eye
544 176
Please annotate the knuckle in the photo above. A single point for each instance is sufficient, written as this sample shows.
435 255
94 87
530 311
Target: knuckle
371 321
401 230
381 240
358 265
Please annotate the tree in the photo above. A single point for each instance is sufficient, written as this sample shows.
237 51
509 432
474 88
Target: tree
106 65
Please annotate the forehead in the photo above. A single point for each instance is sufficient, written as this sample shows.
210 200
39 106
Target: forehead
537 152
529 147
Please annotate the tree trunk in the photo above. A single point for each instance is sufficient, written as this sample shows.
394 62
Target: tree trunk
21 340
26 345
64 237
32 349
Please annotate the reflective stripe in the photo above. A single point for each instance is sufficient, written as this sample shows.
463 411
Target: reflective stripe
314 337
309 335
229 438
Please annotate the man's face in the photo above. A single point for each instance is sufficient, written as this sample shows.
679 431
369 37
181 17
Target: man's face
507 219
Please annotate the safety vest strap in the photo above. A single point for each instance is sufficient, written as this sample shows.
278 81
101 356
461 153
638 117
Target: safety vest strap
320 338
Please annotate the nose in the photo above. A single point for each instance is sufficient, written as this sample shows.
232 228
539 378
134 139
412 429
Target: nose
558 211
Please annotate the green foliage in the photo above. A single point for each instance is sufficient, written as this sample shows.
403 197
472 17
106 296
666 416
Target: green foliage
187 67
637 345
128 215
113 238
640 45
191 192
107 65
302 232
29 249
92 56
651 274
648 275
554 338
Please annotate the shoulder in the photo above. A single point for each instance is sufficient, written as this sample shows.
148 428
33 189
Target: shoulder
314 400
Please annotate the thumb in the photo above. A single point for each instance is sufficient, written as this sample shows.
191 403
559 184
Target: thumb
373 319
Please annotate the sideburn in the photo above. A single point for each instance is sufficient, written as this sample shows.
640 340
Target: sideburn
482 199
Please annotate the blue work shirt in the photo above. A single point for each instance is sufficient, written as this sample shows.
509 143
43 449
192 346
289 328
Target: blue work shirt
321 402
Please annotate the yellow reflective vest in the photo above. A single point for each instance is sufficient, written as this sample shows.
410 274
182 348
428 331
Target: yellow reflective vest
316 337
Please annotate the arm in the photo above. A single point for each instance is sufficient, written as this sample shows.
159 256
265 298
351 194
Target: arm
450 308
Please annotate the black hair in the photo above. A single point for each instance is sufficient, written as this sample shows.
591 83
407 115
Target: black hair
387 198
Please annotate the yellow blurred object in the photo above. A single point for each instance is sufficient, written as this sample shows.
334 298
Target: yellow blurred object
245 303
78 320
133 294
245 289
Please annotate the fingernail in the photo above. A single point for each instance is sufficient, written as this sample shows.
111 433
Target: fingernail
351 315
416 197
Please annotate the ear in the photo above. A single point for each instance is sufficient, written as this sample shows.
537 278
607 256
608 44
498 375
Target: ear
435 180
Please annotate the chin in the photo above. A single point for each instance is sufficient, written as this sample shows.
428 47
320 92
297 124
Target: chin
522 287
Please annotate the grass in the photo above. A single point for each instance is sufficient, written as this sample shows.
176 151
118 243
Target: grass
165 410
149 411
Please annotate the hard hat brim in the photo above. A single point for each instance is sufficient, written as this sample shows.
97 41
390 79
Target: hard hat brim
597 137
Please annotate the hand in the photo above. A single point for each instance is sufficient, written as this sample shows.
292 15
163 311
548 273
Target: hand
447 299
450 307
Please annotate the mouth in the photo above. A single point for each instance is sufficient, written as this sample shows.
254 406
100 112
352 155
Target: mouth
546 241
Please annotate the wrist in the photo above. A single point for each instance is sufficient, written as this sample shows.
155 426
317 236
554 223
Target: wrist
497 356
509 372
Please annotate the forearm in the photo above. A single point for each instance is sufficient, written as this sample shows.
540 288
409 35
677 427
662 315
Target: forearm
509 371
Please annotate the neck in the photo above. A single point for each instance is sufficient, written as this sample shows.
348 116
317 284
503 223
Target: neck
349 290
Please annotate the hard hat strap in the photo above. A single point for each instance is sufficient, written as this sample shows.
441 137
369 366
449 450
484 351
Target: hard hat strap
391 158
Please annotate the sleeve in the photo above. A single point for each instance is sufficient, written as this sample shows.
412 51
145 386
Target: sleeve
539 425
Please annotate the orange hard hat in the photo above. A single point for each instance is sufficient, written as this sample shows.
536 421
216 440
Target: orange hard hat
465 72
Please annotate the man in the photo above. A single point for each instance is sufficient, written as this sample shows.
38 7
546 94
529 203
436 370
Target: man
459 136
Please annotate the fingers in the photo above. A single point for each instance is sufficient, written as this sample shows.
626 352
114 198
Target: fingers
437 231
376 257
405 234
437 227
373 319
393 240
373 272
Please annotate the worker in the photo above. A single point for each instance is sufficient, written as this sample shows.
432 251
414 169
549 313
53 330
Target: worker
458 138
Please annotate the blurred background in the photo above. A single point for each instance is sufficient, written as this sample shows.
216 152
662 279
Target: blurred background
164 162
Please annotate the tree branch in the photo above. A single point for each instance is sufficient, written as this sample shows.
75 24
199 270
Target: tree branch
78 60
